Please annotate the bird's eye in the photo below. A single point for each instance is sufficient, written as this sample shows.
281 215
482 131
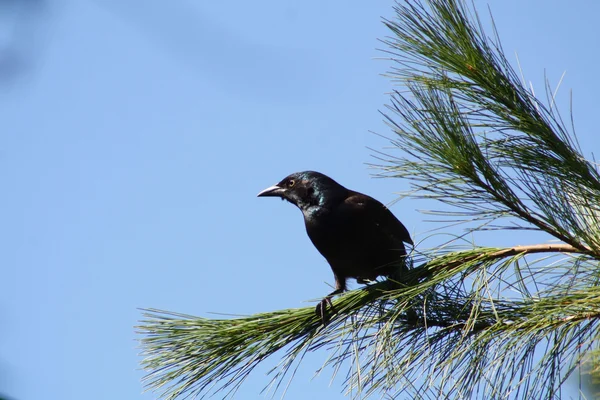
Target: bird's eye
291 183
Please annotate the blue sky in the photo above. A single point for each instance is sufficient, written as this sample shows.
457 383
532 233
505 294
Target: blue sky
135 137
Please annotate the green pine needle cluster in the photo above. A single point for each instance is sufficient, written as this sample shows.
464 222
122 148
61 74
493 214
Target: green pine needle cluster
494 323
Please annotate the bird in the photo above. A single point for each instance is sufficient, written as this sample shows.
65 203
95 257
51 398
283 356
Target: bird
358 236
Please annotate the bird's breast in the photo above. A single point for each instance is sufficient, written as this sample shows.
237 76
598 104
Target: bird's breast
353 247
336 238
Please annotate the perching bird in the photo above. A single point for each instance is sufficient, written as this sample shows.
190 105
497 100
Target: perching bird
358 236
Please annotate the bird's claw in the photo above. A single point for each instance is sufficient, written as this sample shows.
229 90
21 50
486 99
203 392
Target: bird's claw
321 309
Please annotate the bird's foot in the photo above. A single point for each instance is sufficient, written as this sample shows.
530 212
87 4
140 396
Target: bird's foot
321 309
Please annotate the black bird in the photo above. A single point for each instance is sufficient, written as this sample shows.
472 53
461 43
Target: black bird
358 236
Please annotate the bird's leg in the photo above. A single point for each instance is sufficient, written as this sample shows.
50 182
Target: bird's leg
320 310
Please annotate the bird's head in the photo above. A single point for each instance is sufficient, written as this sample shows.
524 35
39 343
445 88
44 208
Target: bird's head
306 190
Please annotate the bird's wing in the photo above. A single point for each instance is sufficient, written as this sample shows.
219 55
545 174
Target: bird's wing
373 210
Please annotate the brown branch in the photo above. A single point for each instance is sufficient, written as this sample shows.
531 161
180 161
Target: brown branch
539 248
509 252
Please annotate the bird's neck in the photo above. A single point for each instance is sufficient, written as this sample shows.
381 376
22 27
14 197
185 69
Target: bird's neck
321 202
320 208
314 211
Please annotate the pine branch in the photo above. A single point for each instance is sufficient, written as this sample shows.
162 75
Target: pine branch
477 138
188 355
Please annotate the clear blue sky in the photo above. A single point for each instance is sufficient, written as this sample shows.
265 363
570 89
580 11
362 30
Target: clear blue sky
134 137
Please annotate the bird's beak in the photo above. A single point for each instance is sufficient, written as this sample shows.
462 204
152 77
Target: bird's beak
272 191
